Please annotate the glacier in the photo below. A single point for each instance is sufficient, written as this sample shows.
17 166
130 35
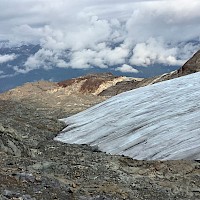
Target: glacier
156 122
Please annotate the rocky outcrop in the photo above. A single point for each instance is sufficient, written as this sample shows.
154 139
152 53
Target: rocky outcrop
33 166
136 83
10 142
102 84
92 83
36 167
191 66
49 96
75 172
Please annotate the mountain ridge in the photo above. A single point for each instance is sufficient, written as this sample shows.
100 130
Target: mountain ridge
34 166
106 84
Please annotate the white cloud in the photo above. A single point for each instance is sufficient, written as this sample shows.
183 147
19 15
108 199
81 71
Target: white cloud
7 57
2 76
102 57
25 33
44 58
126 69
174 21
154 51
87 33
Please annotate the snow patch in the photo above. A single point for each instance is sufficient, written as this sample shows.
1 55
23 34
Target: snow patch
156 122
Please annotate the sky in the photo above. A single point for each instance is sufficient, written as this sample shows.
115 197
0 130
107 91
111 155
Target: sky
102 33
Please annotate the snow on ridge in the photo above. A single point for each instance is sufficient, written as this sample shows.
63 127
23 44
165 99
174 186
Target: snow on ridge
156 122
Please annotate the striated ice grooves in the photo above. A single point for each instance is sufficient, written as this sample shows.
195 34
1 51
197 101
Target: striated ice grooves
160 121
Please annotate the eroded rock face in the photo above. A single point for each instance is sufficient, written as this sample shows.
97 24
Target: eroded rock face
102 84
92 83
10 142
191 66
33 166
135 83
51 98
75 172
49 169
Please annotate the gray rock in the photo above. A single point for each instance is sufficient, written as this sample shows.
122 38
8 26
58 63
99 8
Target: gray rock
10 194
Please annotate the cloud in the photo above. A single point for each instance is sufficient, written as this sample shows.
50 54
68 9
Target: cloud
26 34
127 69
44 58
2 76
85 34
102 56
7 57
171 20
154 51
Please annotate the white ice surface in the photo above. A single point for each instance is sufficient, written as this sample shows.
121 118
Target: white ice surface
160 121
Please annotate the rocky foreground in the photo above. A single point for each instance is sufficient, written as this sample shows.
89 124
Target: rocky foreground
33 166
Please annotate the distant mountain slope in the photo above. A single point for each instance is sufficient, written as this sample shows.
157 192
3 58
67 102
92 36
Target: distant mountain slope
191 66
77 94
93 83
160 121
105 84
71 96
21 69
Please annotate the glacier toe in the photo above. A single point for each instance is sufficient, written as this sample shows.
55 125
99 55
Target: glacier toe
156 122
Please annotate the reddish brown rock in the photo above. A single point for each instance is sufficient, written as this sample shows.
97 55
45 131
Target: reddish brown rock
92 83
